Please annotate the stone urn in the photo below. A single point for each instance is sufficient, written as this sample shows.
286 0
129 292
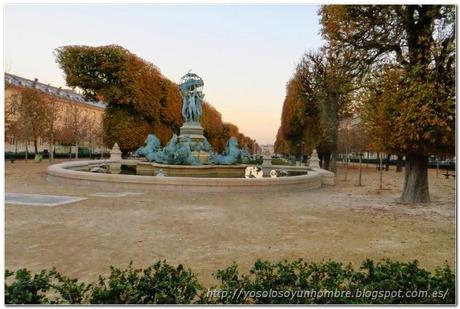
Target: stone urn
266 165
115 155
314 160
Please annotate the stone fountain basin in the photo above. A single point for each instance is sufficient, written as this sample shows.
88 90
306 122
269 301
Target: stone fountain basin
75 173
152 169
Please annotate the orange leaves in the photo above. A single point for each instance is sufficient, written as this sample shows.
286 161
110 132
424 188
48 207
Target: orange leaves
410 115
140 100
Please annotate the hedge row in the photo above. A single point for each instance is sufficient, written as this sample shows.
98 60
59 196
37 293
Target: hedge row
21 155
266 283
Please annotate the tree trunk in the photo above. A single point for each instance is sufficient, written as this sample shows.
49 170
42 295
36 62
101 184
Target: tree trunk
321 159
387 162
76 151
27 150
326 161
399 164
346 166
437 167
15 149
36 146
360 170
333 162
50 151
416 179
381 171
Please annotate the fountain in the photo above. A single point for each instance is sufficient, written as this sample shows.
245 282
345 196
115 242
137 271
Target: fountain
190 148
188 162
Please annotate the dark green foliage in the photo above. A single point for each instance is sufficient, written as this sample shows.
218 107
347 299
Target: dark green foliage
69 289
295 282
299 277
27 289
157 284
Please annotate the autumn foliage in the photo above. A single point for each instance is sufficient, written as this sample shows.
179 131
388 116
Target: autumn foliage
317 96
407 58
393 66
140 99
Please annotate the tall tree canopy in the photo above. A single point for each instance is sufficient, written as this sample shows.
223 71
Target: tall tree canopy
406 55
316 98
34 114
140 100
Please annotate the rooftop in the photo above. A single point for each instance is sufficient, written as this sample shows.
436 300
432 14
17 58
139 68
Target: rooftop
54 91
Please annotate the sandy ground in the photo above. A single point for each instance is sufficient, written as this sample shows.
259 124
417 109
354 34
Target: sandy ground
207 232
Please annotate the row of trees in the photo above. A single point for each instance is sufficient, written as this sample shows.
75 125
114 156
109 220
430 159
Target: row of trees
140 100
218 132
394 67
32 116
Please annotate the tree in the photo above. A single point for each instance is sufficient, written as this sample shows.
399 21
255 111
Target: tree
211 121
317 97
11 104
12 124
353 138
33 112
408 54
51 130
75 127
300 117
280 143
140 100
95 134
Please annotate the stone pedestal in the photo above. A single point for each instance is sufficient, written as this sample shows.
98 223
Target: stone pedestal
314 160
194 131
267 165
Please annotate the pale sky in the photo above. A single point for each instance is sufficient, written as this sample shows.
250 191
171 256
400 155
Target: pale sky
245 53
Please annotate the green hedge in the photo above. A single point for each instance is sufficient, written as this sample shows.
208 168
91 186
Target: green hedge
266 283
82 153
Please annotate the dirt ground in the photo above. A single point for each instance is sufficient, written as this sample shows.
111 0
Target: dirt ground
207 232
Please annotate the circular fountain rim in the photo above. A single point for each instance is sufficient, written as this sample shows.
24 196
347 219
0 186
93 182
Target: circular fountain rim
63 173
203 166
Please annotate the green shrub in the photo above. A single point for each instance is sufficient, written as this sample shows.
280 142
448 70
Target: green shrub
299 277
27 289
281 161
295 282
70 291
157 284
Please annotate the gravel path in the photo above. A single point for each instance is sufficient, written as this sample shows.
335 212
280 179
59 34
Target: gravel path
209 231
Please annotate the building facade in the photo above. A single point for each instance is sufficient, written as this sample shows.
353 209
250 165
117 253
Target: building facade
90 115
